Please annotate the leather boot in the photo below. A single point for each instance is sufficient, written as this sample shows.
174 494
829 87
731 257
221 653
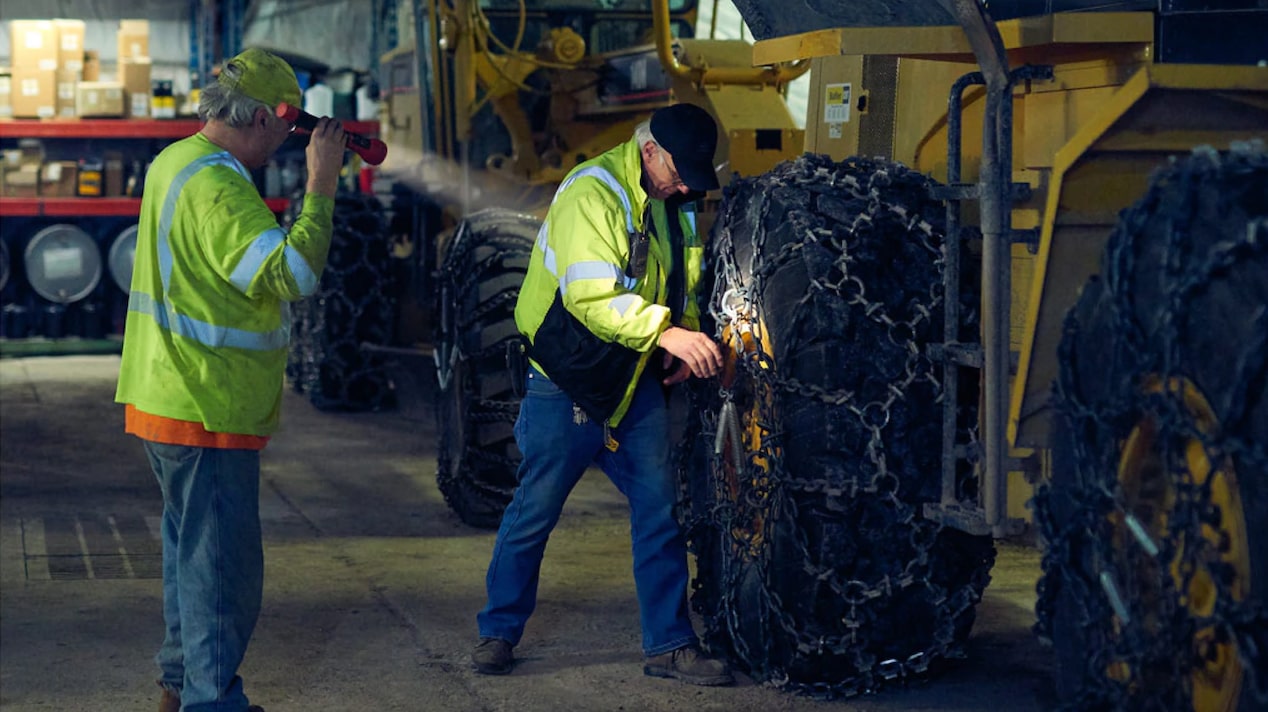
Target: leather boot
690 666
169 701
492 657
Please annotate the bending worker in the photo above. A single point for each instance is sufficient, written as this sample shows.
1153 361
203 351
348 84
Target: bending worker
613 276
203 360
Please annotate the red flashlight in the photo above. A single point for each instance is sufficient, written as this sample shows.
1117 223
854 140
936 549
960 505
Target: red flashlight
370 149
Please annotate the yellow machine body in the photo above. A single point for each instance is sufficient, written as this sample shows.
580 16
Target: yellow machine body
475 69
476 79
1086 142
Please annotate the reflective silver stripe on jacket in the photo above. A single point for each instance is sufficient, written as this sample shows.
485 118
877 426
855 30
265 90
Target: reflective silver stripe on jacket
263 246
210 334
166 316
173 195
592 269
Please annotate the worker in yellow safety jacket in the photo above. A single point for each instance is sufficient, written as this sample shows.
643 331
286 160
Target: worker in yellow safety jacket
204 353
609 309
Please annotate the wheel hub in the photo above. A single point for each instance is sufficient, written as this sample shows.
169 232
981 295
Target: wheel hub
1156 470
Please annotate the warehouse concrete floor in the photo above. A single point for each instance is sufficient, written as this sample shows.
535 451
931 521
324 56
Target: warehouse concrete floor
372 584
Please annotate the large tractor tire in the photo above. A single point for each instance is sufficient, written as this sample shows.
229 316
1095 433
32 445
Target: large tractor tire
476 343
806 474
1155 581
353 305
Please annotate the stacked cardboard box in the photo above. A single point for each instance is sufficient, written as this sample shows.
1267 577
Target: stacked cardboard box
21 174
134 75
34 50
70 63
134 66
58 179
48 57
6 94
99 99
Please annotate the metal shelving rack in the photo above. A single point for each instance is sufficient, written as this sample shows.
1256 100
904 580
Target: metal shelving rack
109 129
126 128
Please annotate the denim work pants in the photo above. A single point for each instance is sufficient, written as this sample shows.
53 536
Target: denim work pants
557 452
213 571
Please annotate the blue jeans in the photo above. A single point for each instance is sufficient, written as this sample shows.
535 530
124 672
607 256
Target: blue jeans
557 452
213 571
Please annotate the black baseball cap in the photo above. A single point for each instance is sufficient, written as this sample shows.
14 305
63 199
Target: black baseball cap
690 136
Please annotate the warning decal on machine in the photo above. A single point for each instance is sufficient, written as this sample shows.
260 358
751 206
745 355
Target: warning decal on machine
836 103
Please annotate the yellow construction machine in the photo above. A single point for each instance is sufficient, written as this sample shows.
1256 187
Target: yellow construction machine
488 109
1015 268
1045 281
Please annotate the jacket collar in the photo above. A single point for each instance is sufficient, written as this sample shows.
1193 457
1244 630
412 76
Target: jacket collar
632 166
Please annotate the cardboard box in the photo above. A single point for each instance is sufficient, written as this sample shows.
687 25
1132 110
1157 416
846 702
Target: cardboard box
33 44
134 74
134 39
34 93
11 158
22 183
59 179
92 66
30 152
113 178
6 94
67 80
70 44
99 99
137 105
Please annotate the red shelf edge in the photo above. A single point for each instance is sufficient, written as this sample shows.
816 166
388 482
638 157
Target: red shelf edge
89 207
19 207
99 128
126 128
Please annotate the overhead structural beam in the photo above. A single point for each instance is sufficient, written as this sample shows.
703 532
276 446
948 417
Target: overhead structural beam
776 75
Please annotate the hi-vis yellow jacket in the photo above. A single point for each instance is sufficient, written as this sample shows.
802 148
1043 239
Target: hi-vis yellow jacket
208 316
581 258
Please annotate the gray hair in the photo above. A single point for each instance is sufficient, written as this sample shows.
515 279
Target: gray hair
643 134
219 103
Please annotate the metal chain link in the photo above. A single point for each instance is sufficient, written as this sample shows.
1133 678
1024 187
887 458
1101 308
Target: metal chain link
767 484
354 303
461 275
1130 586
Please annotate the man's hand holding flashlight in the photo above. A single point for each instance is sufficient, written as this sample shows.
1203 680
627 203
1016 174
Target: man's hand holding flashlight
325 156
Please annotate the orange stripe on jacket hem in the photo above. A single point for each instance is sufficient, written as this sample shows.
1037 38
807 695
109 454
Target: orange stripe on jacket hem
170 431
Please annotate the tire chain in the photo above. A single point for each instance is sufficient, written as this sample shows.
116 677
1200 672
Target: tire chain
1087 535
462 278
353 303
732 302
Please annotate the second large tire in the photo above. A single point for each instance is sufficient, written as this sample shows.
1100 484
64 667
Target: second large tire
1155 585
477 401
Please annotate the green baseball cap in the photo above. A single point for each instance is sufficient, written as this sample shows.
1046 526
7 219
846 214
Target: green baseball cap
264 77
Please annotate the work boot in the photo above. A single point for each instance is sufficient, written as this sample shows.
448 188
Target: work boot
492 656
690 666
169 701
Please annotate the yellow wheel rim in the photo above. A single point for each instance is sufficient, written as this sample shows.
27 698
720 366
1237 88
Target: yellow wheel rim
1149 497
749 531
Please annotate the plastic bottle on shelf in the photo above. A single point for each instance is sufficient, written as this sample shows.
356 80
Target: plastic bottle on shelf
272 180
367 103
90 178
319 100
292 174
